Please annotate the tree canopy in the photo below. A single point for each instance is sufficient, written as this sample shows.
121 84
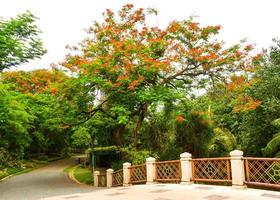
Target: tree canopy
129 67
19 40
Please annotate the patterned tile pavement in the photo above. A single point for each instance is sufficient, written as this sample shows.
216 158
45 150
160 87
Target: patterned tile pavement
173 192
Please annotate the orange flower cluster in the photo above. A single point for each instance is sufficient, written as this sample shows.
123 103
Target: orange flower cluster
246 103
236 82
180 119
54 91
34 82
117 84
133 84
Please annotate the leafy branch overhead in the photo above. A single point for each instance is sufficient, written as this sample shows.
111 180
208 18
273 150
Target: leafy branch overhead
19 41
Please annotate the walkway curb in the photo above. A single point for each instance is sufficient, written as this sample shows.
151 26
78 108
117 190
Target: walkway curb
7 177
72 176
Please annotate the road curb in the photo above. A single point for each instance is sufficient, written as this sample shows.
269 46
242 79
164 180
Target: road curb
7 177
72 176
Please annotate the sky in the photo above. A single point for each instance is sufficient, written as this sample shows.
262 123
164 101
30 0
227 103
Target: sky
63 22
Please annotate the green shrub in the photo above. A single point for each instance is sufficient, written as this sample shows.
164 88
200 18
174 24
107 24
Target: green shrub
171 152
43 158
103 149
5 157
14 170
3 174
29 164
135 156
116 165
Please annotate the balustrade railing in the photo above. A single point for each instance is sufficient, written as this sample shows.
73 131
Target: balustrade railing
211 170
117 178
263 172
168 171
102 180
236 170
138 174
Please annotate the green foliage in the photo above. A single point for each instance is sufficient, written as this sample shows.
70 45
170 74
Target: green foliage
43 158
252 128
274 52
83 175
6 158
81 138
14 121
3 174
30 123
19 41
170 152
222 143
104 149
276 123
273 146
135 156
118 164
196 129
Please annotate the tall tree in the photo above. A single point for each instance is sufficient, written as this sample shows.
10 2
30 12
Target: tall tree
19 41
136 67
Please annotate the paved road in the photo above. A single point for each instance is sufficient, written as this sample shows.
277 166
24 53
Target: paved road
48 181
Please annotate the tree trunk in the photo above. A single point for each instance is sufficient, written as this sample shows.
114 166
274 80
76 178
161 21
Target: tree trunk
143 111
117 135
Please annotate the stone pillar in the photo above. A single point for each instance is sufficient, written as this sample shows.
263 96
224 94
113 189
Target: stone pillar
109 177
95 178
151 170
186 168
237 169
126 173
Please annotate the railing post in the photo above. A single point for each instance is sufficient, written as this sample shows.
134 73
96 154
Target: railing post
237 169
95 178
109 177
151 170
126 173
186 168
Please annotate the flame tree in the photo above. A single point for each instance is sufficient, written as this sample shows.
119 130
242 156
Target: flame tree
126 68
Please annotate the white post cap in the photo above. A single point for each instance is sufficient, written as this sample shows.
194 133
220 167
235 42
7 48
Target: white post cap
150 159
126 164
96 172
185 155
236 153
109 170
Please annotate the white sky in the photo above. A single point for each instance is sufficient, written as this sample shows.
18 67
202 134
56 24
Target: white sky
63 21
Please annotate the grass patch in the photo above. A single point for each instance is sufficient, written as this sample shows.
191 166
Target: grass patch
68 169
3 174
27 166
83 175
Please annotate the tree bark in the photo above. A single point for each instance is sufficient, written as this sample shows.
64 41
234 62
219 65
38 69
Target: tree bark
117 135
143 111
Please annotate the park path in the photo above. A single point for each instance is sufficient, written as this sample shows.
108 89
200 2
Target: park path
44 182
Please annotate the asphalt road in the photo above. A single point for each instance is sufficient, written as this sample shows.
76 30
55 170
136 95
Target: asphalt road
48 181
